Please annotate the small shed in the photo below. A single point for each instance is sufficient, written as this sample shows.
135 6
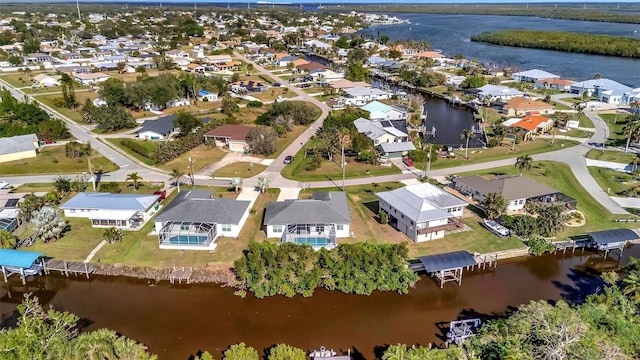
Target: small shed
607 240
448 266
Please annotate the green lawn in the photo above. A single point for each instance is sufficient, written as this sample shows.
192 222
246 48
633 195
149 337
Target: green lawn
148 144
125 187
73 114
202 157
615 182
76 243
331 170
611 155
240 169
616 125
498 153
585 122
52 160
559 176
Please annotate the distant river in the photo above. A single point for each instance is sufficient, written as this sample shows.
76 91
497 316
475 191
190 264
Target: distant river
452 34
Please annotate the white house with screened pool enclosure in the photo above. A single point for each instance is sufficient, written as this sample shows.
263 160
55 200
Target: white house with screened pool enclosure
124 211
195 219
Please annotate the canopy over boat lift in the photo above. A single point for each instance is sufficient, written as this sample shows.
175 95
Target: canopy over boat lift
607 240
448 266
23 263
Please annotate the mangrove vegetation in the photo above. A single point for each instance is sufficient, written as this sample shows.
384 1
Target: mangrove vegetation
268 269
563 41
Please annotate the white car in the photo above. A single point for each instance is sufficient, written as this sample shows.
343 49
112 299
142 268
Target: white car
4 184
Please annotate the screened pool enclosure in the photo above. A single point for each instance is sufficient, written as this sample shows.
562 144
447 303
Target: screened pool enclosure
187 233
316 235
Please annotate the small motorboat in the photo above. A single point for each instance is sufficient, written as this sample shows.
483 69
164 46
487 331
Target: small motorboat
496 228
323 353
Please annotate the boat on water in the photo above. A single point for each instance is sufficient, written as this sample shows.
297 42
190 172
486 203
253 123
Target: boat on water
461 330
324 353
496 228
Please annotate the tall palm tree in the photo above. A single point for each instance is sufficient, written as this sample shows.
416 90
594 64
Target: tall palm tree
559 120
466 135
236 183
263 183
631 284
631 130
177 174
135 179
579 110
524 162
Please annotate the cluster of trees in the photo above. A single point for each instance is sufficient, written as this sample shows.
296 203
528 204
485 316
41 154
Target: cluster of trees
243 352
108 118
268 269
169 150
51 334
20 118
422 78
564 41
549 220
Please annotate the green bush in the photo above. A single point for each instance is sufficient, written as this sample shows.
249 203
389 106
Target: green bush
383 217
539 245
137 148
255 104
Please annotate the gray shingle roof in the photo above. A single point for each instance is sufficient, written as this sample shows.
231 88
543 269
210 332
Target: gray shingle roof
108 201
512 188
163 125
200 206
328 207
422 202
18 143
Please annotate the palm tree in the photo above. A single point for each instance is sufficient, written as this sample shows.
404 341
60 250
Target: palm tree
135 179
177 174
48 224
579 110
524 162
631 284
634 164
559 120
631 130
112 235
236 183
499 131
7 239
466 135
263 184
494 205
396 352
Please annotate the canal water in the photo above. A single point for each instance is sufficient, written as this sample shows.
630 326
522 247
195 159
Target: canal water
176 321
452 34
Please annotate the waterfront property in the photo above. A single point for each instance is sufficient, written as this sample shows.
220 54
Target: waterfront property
194 220
533 75
361 95
520 106
607 240
18 147
497 92
607 91
530 125
517 190
22 263
124 211
423 212
380 132
381 111
448 266
318 221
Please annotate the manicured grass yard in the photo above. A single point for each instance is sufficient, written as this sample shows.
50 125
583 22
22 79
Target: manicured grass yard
52 160
240 169
73 114
498 153
19 80
202 156
611 155
125 187
616 128
76 243
331 170
273 93
560 177
148 144
615 182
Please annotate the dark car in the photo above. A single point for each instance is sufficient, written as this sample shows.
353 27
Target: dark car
288 159
277 84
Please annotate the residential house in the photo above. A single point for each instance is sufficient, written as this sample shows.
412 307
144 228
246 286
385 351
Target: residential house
38 58
380 132
423 212
533 75
44 80
175 54
284 61
497 92
361 95
554 84
375 61
226 66
207 96
396 149
194 220
532 125
381 111
608 91
517 190
124 211
437 57
343 84
632 97
195 68
90 78
18 147
161 128
520 106
231 136
310 66
318 221
317 44
248 86
218 59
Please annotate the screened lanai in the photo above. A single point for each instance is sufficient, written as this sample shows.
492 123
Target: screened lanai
187 233
316 235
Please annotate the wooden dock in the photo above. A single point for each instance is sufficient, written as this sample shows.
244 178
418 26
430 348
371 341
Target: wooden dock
571 244
180 274
67 267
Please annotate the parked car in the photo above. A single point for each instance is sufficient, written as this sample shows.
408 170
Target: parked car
277 84
48 142
407 161
4 184
288 159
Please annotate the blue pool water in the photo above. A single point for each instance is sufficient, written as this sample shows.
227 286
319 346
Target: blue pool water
187 240
313 241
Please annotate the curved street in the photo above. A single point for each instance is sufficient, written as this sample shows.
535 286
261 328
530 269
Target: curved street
573 156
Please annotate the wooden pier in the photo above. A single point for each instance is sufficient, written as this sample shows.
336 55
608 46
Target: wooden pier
180 274
67 267
571 244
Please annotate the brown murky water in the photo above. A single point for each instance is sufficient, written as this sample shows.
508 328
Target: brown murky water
178 321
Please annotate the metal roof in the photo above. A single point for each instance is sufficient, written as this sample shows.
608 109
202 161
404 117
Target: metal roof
18 143
612 236
421 202
447 261
17 258
108 201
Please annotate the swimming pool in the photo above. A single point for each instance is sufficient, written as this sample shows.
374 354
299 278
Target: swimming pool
313 241
187 240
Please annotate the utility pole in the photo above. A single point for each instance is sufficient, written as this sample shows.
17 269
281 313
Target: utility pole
78 7
344 164
192 175
428 163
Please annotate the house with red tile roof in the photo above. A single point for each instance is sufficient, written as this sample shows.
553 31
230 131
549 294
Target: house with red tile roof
531 125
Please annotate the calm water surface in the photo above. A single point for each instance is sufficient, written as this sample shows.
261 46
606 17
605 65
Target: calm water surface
177 321
452 34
